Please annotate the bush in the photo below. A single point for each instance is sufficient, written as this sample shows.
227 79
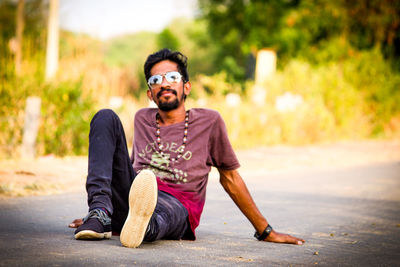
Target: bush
12 95
65 111
379 84
66 116
349 99
326 93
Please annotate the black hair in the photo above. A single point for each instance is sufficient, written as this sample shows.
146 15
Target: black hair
166 54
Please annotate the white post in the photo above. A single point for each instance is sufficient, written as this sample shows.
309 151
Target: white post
233 101
265 66
265 69
31 126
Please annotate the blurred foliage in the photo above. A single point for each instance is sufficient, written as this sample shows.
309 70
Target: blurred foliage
190 36
35 13
123 50
166 39
296 28
338 103
341 57
378 84
65 116
196 44
35 16
130 52
65 109
345 98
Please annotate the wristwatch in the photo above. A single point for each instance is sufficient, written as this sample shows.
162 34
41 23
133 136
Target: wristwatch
264 234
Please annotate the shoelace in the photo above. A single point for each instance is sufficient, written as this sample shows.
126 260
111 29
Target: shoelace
100 215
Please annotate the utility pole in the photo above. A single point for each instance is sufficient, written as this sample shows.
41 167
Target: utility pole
52 41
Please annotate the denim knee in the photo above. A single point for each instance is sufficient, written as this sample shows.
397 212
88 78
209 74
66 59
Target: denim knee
105 114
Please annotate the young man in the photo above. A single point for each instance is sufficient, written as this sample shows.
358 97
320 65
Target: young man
160 192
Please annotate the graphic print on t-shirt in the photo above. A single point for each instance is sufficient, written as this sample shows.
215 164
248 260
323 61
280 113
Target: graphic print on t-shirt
163 165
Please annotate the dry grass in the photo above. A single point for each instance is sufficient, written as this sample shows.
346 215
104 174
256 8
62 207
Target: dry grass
42 176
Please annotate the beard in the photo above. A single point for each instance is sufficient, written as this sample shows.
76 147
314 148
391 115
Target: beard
169 105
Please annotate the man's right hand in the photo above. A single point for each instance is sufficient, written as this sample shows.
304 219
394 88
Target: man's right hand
76 223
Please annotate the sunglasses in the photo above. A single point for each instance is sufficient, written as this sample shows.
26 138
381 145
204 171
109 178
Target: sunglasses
171 77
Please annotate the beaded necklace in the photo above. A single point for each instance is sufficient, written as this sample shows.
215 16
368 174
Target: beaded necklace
185 132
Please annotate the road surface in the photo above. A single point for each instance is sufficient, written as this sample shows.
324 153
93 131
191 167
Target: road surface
349 216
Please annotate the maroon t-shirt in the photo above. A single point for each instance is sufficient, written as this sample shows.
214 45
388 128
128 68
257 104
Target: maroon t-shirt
186 179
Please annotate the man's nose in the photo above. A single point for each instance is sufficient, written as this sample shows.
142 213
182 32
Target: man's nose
164 81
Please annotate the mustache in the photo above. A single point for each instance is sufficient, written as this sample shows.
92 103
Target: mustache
166 90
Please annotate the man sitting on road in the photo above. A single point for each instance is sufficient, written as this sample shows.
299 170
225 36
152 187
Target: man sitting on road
159 192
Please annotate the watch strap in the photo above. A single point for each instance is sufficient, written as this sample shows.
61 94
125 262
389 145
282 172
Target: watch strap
264 234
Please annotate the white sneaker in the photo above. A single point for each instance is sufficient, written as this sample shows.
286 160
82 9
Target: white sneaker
142 202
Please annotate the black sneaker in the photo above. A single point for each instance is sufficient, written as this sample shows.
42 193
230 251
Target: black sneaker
142 202
96 225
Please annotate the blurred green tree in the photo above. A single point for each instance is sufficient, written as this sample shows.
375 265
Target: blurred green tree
166 39
375 23
297 28
34 34
196 44
242 27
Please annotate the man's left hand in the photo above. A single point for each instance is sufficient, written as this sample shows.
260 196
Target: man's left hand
284 238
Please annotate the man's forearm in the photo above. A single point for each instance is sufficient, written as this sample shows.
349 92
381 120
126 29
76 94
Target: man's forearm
234 185
237 190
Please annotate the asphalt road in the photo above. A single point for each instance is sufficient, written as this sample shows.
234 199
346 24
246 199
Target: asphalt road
348 216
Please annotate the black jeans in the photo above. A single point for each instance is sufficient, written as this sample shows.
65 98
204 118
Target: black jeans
110 175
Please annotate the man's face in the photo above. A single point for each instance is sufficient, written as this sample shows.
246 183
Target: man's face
168 96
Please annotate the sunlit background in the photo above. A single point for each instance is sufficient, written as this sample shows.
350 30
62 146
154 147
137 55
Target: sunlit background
280 72
105 19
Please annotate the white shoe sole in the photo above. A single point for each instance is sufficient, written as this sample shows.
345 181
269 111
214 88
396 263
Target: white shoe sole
142 202
89 234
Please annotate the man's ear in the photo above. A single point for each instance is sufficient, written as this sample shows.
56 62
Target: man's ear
150 95
187 87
